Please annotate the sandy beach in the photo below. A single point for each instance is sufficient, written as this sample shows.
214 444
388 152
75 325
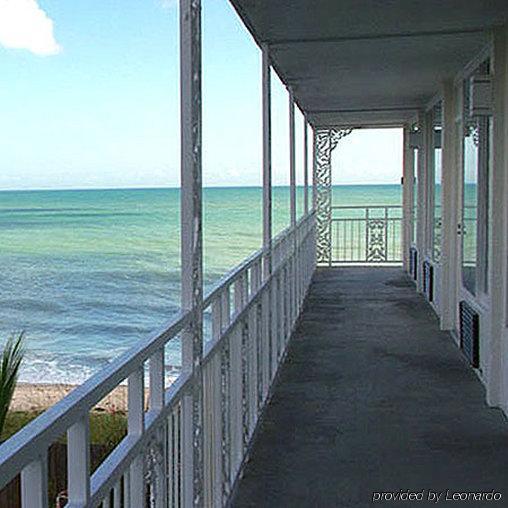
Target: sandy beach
38 397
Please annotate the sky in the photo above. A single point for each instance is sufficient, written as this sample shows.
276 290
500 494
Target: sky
89 99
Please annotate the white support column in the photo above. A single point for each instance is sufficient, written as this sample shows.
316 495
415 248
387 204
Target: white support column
292 163
267 162
267 337
429 183
305 167
497 377
191 246
293 287
422 195
449 208
407 196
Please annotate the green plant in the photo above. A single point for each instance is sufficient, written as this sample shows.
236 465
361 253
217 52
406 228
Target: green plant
10 362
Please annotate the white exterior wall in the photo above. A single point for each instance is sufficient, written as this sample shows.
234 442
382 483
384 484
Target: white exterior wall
448 291
497 379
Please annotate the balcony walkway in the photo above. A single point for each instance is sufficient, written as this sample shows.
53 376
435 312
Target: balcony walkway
372 397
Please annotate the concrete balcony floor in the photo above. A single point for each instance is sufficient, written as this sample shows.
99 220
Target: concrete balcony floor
372 397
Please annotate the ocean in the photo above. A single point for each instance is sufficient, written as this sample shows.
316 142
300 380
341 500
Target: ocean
87 273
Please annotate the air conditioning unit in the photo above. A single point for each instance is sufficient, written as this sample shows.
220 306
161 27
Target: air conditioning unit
428 280
470 333
413 262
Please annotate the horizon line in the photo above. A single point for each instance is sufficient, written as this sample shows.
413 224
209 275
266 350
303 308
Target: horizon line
56 189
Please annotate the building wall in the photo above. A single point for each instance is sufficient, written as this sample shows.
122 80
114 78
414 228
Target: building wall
489 299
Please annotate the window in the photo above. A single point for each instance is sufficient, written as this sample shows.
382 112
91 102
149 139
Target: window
415 196
474 228
437 172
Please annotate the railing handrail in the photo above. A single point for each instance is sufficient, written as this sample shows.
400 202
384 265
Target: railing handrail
363 219
362 207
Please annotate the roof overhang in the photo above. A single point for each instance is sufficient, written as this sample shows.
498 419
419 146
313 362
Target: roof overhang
369 62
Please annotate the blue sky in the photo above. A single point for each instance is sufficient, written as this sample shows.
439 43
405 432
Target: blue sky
89 98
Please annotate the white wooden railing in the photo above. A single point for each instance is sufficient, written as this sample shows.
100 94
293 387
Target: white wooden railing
254 309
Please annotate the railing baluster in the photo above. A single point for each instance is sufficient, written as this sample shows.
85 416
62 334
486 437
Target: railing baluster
78 462
225 308
156 401
127 489
207 433
116 495
170 459
136 426
34 483
252 366
236 399
217 432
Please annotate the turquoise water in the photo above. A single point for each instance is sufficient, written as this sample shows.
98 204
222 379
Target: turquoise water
87 273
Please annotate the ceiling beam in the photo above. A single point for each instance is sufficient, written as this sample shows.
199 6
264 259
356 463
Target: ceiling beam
365 110
367 37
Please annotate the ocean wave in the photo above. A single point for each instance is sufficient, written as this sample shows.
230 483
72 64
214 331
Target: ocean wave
65 368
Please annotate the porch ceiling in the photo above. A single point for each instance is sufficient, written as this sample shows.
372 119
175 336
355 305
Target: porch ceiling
369 62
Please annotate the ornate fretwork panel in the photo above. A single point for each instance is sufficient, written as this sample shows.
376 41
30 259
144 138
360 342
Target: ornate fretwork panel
376 240
325 140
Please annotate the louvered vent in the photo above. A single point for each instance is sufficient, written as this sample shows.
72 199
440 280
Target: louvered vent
470 333
413 262
428 280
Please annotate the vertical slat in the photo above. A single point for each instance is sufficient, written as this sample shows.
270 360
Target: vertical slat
78 462
127 489
225 308
34 483
239 293
207 434
253 368
216 319
226 417
136 427
236 400
217 433
156 401
265 341
171 459
160 483
117 495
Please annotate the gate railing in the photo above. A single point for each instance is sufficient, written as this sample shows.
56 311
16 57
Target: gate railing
366 234
253 310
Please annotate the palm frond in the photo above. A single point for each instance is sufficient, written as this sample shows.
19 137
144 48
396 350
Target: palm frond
11 359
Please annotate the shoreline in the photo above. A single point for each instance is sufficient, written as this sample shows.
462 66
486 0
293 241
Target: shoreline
31 397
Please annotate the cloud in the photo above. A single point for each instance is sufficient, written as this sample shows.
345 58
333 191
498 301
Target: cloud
167 4
24 25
